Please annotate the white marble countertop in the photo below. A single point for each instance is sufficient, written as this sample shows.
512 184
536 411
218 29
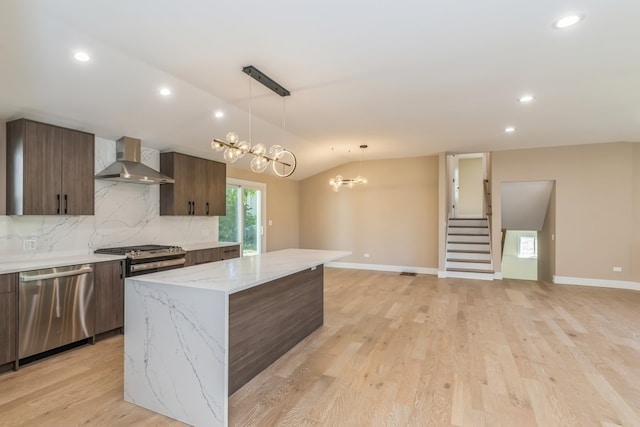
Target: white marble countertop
206 245
238 274
17 265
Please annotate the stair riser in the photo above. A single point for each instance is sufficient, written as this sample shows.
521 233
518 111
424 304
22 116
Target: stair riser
469 222
469 265
468 239
471 256
467 247
468 230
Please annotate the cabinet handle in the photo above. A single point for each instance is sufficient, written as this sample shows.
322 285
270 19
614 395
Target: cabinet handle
194 208
66 204
189 207
58 197
207 208
121 269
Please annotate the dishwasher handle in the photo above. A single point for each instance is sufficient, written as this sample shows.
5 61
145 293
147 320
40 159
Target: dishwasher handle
55 275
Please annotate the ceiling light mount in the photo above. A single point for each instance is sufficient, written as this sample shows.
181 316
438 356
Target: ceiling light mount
266 80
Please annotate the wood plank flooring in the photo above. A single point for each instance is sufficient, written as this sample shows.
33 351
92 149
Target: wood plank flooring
396 351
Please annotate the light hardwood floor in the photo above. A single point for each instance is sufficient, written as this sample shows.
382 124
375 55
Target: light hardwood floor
397 351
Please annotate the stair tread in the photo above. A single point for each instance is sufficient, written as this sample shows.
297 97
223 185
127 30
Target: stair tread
470 243
469 226
466 251
475 261
470 270
467 234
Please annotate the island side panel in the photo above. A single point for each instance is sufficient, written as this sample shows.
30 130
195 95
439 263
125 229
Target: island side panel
267 321
175 358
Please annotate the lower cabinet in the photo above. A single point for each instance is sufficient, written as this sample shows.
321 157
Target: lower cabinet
203 256
7 318
109 301
229 252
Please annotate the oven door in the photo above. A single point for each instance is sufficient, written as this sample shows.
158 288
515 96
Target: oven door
151 266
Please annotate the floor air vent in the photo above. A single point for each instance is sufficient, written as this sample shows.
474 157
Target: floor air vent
406 273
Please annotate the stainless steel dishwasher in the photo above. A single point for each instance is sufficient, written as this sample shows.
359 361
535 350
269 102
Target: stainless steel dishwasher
55 307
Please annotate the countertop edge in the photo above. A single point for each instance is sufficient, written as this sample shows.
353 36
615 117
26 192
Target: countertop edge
39 264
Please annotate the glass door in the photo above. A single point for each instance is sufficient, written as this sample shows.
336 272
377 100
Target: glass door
244 220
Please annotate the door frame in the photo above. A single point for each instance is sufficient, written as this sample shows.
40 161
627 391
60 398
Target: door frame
262 187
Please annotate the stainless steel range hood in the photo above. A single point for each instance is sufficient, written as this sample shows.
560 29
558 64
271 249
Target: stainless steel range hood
128 166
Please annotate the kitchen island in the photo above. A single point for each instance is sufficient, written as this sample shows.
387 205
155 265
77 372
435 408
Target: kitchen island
193 336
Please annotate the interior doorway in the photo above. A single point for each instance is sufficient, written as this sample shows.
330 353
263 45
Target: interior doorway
244 221
520 255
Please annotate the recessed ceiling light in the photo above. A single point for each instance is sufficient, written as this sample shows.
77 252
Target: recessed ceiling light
509 129
567 21
81 56
219 114
165 91
525 98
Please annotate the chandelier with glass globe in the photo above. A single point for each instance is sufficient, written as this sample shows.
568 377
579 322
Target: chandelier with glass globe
283 161
339 181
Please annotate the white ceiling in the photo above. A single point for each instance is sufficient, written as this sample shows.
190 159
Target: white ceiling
407 78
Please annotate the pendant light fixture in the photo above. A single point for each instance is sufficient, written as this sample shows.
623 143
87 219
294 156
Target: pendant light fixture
282 160
339 181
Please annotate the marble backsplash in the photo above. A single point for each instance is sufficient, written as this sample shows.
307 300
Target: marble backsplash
125 214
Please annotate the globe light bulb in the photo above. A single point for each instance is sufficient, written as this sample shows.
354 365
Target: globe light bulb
276 151
259 150
259 164
229 155
232 138
244 147
217 146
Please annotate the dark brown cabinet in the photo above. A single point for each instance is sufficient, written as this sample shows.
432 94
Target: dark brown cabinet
229 252
7 318
109 302
202 256
199 189
49 170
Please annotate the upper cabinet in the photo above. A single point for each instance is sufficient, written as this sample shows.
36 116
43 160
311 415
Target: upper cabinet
49 170
199 189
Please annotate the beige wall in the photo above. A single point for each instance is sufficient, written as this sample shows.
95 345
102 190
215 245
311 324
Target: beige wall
635 251
594 217
470 176
393 218
282 208
546 242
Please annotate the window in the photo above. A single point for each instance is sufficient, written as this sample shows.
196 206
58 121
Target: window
527 247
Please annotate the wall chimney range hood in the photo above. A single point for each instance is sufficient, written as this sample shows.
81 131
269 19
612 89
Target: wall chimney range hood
128 166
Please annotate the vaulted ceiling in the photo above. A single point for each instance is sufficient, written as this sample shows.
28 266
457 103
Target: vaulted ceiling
407 78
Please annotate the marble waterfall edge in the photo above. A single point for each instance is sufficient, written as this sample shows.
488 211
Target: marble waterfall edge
168 329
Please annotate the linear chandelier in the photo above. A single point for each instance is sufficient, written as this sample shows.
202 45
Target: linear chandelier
283 161
339 181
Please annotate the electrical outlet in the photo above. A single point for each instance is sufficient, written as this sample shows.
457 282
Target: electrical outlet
366 255
29 245
617 269
206 232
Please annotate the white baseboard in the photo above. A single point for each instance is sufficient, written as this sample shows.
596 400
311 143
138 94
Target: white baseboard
497 275
382 267
442 274
601 283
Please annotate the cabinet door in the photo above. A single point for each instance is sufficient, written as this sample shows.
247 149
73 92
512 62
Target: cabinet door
178 198
229 252
42 158
77 173
216 188
200 186
201 256
109 288
7 318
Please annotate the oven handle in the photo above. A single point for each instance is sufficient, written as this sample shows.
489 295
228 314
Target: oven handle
157 264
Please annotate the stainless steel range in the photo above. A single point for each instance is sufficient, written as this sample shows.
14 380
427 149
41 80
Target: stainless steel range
143 259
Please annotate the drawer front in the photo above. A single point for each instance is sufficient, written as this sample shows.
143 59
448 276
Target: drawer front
229 252
7 283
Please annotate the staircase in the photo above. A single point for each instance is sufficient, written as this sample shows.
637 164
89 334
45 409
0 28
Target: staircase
469 249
